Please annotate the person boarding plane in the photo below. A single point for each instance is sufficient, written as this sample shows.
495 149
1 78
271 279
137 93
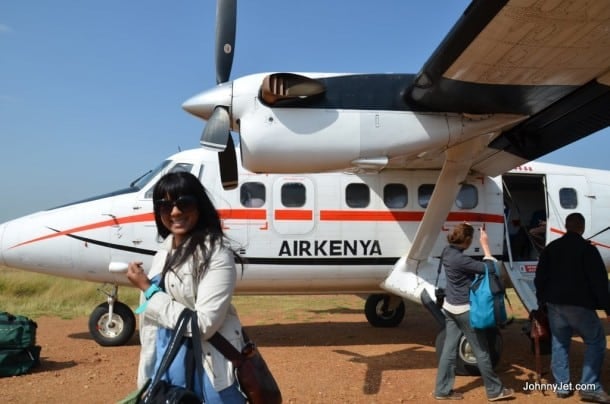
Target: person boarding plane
339 232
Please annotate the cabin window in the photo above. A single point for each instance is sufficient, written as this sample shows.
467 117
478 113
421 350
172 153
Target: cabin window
424 192
252 194
357 195
395 196
293 195
468 197
568 198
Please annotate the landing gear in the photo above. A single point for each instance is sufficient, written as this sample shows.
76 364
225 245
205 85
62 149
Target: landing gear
112 323
466 364
384 310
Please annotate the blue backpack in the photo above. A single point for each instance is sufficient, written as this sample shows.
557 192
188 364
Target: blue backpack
487 309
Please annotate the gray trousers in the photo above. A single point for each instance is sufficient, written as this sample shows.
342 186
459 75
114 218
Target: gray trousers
455 326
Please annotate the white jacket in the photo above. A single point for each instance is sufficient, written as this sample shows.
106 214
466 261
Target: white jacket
211 298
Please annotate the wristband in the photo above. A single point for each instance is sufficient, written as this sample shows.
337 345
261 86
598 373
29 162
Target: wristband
152 289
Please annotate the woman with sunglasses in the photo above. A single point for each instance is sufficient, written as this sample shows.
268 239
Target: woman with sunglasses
194 268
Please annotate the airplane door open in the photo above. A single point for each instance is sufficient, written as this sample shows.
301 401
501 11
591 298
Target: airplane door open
293 205
566 194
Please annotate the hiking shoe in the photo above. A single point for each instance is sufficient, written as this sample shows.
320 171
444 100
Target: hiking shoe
564 394
453 395
594 396
504 394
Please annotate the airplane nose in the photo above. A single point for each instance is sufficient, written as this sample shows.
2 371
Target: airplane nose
203 104
2 229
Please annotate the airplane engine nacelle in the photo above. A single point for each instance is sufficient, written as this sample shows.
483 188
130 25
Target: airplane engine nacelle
291 140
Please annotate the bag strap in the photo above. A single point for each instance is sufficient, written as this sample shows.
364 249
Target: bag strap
173 346
178 336
226 348
438 270
197 349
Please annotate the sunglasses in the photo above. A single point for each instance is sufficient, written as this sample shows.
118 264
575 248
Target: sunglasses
183 203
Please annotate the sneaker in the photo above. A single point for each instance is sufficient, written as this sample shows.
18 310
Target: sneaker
504 394
565 394
594 396
453 395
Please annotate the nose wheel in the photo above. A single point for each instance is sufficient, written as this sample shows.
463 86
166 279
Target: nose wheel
112 323
113 330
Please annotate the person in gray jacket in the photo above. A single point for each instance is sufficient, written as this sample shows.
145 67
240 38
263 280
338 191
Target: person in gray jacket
194 268
460 271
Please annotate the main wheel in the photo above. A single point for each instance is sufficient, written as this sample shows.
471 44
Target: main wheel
378 314
115 332
466 363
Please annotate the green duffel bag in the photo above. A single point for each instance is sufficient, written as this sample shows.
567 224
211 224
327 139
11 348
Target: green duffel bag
14 362
16 332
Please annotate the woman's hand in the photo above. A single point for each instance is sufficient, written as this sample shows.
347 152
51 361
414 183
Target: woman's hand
137 277
483 236
484 240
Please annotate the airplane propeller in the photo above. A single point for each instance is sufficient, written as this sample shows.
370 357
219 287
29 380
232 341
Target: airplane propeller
226 20
215 105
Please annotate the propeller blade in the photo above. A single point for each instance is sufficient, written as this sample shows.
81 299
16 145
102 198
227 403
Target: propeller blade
227 161
216 132
226 16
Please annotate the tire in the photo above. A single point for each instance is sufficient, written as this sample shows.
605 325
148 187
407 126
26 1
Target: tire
119 331
377 314
466 364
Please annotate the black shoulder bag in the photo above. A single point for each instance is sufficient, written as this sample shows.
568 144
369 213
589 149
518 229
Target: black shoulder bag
161 391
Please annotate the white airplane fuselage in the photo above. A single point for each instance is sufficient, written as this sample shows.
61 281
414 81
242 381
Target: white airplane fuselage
307 233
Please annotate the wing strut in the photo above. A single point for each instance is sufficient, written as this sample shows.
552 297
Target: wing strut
407 278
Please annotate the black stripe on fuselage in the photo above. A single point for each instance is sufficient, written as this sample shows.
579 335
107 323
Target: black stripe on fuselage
320 261
110 245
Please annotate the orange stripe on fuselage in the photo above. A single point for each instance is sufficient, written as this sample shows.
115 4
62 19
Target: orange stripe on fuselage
561 233
145 217
401 216
290 214
243 214
293 214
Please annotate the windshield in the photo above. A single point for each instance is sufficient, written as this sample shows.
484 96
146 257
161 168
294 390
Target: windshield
142 180
135 186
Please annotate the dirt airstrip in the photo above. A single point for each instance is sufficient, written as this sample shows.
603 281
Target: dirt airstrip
318 356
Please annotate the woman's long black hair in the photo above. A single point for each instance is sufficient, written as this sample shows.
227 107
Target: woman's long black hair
206 234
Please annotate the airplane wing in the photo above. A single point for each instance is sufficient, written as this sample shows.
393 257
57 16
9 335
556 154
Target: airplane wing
546 61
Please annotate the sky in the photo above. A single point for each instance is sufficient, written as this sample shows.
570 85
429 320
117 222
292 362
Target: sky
91 91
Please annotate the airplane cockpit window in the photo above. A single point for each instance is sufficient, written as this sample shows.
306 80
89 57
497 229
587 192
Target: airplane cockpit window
187 167
176 168
357 195
395 196
252 194
468 197
143 180
568 198
293 195
424 192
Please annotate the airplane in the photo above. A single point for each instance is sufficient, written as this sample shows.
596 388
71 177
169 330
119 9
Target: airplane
314 233
511 82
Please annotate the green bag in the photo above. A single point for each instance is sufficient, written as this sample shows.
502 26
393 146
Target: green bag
15 362
16 332
18 350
